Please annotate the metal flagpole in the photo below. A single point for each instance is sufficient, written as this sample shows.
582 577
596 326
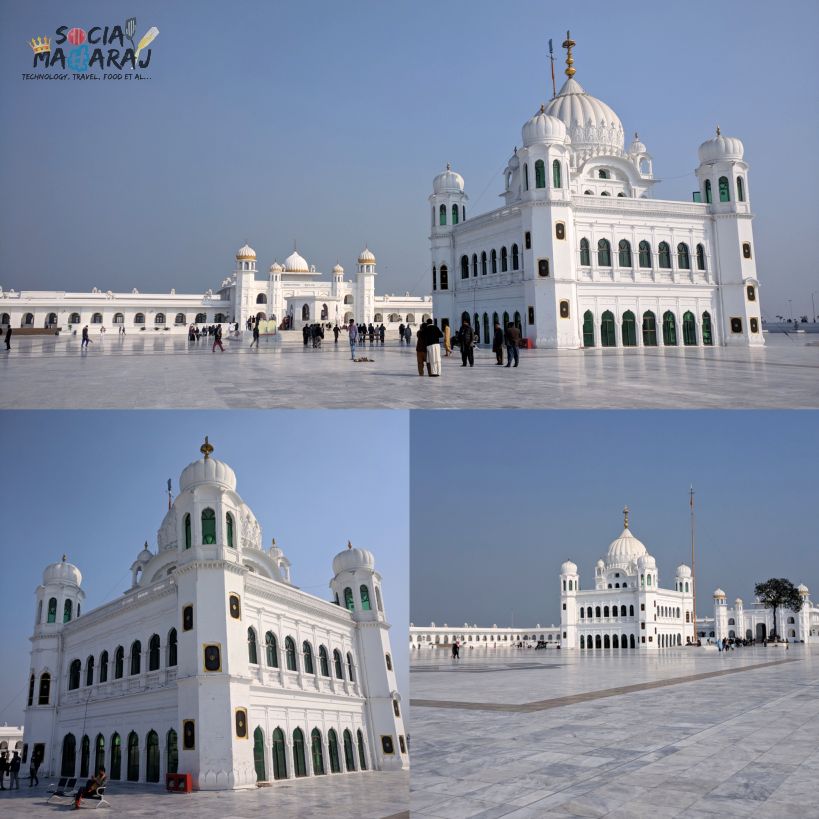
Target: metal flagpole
693 564
552 61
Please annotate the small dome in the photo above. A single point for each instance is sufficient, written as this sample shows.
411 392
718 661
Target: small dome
636 146
802 588
245 253
207 470
338 269
366 256
721 147
544 129
738 601
601 564
514 162
568 568
295 263
646 561
350 559
683 570
62 572
720 594
276 268
448 182
145 555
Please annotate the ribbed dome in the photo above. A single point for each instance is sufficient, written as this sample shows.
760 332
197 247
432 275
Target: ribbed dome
514 162
366 257
245 253
351 559
62 572
719 593
145 555
207 470
338 269
544 129
625 549
568 568
295 263
276 268
802 588
448 182
593 127
721 147
738 601
683 570
636 146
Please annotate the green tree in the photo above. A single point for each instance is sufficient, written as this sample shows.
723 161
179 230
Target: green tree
778 593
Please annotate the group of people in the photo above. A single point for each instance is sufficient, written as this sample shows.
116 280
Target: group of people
467 339
195 333
12 768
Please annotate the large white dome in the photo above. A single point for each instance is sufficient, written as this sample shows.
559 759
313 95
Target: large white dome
296 263
592 126
543 128
721 147
625 549
448 182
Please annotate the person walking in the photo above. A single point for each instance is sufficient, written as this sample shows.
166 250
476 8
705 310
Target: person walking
420 349
401 333
447 341
512 339
33 779
408 335
467 344
336 331
455 650
432 336
217 339
85 340
255 335
382 331
14 768
305 334
352 332
497 344
8 337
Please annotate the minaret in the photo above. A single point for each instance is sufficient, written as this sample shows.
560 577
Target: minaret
569 586
245 274
448 210
357 586
59 600
720 615
365 286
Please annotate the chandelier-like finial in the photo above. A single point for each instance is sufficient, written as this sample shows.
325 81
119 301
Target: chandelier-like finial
206 448
625 517
349 544
569 44
718 131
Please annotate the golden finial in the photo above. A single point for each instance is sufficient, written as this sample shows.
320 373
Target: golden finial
718 131
448 166
542 108
349 544
625 517
273 542
64 558
206 448
569 44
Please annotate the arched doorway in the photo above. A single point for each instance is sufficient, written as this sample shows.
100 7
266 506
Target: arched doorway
152 757
258 754
305 312
325 312
279 755
761 631
69 757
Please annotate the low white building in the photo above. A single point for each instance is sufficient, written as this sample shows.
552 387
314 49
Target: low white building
293 289
756 622
432 636
214 663
11 740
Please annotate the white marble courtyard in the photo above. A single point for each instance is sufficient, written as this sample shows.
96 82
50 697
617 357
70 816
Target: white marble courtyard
167 372
525 734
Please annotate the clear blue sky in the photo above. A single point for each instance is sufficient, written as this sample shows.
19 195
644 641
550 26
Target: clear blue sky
93 485
500 499
325 123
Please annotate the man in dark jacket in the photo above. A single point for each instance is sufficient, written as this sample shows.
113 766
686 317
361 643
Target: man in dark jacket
467 342
432 335
512 341
497 344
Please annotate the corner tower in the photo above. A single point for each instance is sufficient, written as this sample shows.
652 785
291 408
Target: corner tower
448 209
365 286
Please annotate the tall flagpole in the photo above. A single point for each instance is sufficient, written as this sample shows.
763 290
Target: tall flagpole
693 564
552 60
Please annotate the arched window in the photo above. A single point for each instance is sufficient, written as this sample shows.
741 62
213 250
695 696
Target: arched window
52 610
74 675
454 214
229 529
103 667
180 319
540 174
172 648
605 611
645 254
365 597
442 215
89 670
350 672
683 257
689 327
261 299
444 277
624 253
504 260
669 329
96 318
664 254
388 660
525 176
708 197
290 654
556 181
740 190
152 757
588 329
208 526
332 749
629 332
349 756
279 755
724 192
31 690
133 757
160 318
607 335
604 253
153 653
67 611
307 651
74 318
324 662
362 759
171 752
118 319
69 757
464 267
494 260
486 338
271 650
305 312
585 255
337 665
582 641
45 689
299 764
597 611
649 329
99 752
116 757
136 657
201 318
349 603
434 277
700 257
474 264
707 334
187 531
252 654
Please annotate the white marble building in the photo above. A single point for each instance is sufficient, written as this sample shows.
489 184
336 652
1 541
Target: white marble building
214 663
474 636
580 255
11 740
293 289
756 622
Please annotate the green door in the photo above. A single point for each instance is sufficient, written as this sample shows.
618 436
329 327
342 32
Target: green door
258 755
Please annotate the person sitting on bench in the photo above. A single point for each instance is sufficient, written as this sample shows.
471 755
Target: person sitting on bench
91 787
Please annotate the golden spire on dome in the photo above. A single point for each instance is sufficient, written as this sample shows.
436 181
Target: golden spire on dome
625 517
206 448
718 131
349 544
64 558
569 44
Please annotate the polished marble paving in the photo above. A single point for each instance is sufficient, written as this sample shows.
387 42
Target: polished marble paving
656 736
167 372
350 796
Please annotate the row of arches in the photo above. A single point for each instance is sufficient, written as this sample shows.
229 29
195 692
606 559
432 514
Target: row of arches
207 532
160 319
605 611
509 259
628 329
482 327
51 610
540 174
458 214
292 661
364 597
607 641
724 190
68 762
645 255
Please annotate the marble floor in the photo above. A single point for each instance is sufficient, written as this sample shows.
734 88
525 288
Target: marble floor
683 733
166 372
368 796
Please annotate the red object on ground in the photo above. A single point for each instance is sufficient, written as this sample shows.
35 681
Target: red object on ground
178 782
76 36
527 344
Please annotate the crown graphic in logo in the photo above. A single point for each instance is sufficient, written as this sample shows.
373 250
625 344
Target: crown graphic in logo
40 45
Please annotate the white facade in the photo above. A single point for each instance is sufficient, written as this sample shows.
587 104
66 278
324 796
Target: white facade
11 740
432 636
579 255
293 289
214 663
